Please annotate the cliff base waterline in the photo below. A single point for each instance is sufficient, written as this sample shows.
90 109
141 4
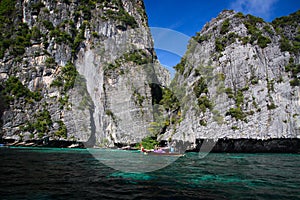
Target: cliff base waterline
276 145
282 145
42 143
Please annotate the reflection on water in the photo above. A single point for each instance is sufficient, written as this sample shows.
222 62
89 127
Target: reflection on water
46 173
132 161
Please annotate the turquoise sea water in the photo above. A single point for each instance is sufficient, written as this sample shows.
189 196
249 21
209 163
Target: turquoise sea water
50 173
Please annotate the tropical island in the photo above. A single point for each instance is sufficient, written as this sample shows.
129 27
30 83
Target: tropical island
86 74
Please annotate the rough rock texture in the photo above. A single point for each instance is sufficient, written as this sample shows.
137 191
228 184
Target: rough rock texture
236 80
274 145
87 69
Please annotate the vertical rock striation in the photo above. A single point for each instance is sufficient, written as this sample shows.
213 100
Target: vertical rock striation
86 67
241 80
86 71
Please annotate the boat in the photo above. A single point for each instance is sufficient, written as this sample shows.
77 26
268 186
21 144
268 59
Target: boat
161 151
166 153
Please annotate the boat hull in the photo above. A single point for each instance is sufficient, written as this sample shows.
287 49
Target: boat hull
165 154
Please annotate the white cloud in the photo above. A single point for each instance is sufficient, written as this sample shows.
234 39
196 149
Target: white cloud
260 8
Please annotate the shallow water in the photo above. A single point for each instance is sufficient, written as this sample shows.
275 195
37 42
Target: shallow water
50 173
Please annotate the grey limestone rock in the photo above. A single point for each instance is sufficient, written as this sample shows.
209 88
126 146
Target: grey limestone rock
248 85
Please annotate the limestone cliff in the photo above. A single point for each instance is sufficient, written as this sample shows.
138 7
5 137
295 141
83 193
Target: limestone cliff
86 71
239 79
80 70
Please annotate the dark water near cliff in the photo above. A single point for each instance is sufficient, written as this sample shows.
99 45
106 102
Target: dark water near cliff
33 173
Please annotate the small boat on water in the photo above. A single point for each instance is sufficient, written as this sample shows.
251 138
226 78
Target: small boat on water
161 152
166 153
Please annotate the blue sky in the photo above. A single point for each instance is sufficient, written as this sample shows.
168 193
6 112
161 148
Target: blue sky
189 16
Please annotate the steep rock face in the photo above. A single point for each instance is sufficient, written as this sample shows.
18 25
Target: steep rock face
240 79
85 69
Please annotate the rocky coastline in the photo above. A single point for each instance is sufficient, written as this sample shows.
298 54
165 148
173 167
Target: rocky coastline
273 145
224 145
89 72
42 143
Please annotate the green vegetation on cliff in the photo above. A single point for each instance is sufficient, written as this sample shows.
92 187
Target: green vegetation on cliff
201 38
200 89
294 70
41 123
62 130
289 29
225 27
237 111
148 143
180 66
14 89
166 112
15 35
67 77
169 100
256 34
290 20
137 57
7 10
120 15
